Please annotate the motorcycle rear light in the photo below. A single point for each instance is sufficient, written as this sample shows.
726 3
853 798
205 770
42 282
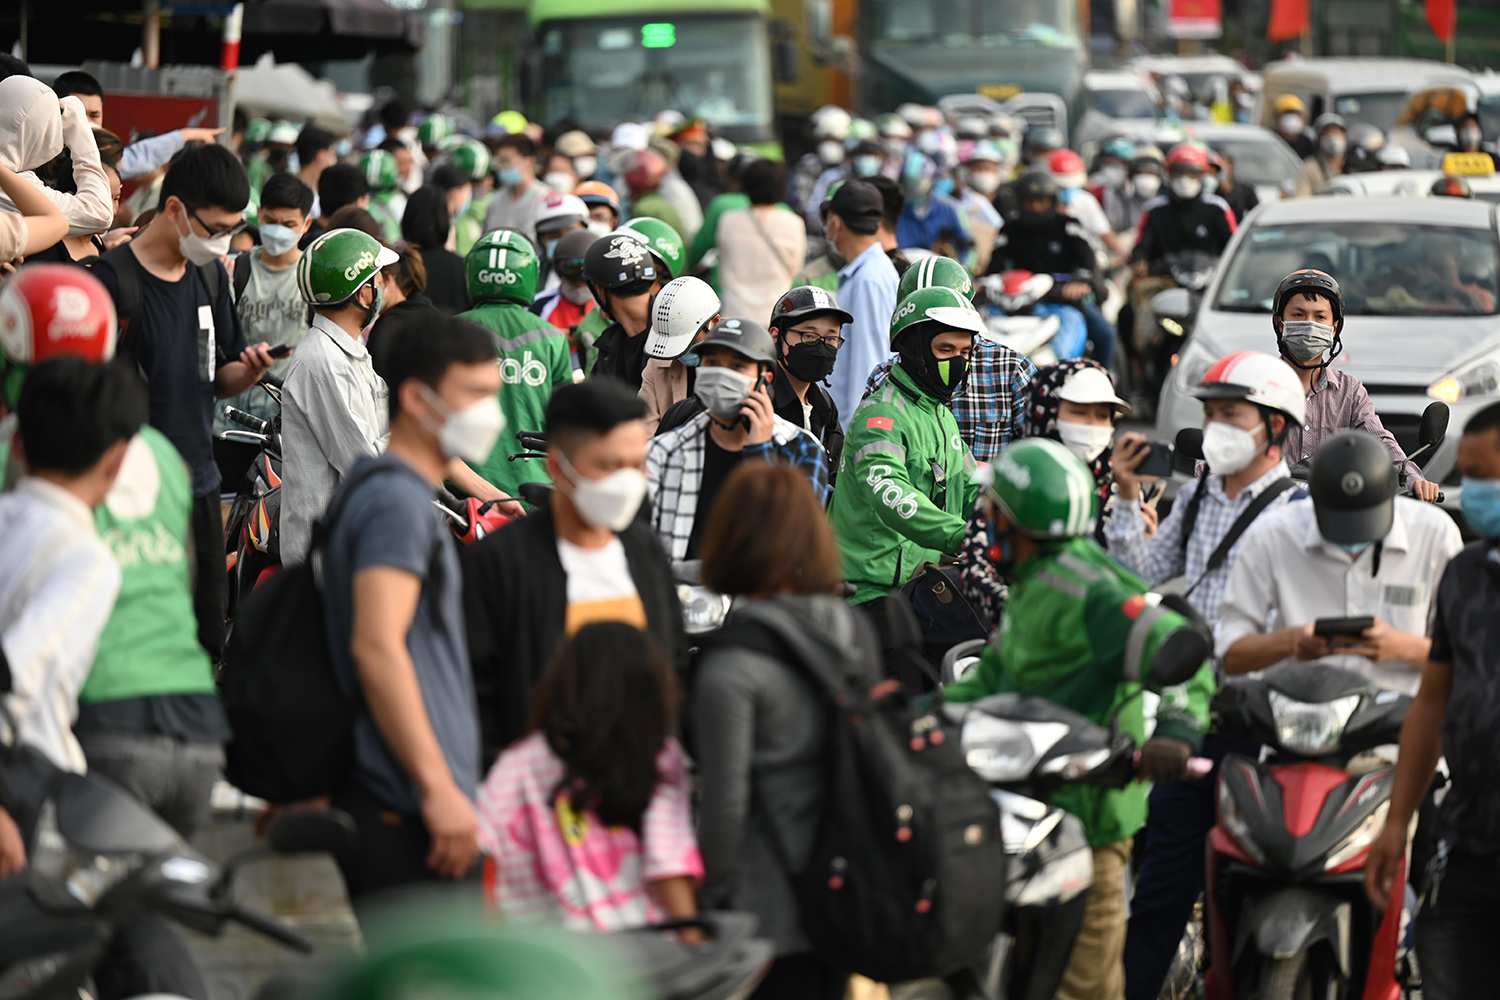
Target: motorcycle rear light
1311 728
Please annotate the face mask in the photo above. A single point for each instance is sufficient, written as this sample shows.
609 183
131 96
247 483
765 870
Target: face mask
830 152
867 166
1112 176
470 433
1305 340
723 391
509 176
1333 146
558 181
1228 448
1470 138
943 186
811 362
548 247
600 229
1290 124
1065 195
343 148
1087 441
609 502
1187 187
201 250
576 294
585 166
985 181
276 240
1481 506
1353 548
1210 183
1146 186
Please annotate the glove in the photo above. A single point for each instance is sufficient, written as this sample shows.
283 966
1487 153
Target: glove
1164 759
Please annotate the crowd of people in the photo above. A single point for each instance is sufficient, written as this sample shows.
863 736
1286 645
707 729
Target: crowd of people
734 366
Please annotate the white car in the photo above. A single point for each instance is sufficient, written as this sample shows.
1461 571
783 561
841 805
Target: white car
1116 104
1415 183
1422 301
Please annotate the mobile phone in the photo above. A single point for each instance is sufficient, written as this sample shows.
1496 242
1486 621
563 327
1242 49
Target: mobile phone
1342 628
279 351
1158 461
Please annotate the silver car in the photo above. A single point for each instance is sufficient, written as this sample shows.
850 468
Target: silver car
1419 277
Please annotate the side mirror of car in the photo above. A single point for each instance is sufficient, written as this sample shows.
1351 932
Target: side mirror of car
1174 303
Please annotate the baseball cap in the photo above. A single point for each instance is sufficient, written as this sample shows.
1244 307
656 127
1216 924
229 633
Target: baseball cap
1092 385
857 200
574 143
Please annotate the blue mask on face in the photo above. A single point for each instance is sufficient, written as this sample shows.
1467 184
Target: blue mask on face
1065 195
867 166
509 176
1353 548
943 186
1481 506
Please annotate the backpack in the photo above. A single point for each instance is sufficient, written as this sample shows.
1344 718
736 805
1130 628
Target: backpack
907 875
293 725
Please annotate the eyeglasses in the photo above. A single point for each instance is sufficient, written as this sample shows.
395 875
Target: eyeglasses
810 337
234 230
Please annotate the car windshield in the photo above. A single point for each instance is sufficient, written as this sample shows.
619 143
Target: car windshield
608 70
1384 268
1260 161
1123 103
1379 110
971 23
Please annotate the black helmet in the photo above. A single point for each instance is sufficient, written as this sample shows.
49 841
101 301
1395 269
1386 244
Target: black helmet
1451 186
744 337
1310 280
571 252
804 301
1353 488
1035 185
617 261
1040 140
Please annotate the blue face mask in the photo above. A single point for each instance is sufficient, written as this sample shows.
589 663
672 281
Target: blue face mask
943 186
509 176
343 148
1065 195
867 166
1481 506
1353 548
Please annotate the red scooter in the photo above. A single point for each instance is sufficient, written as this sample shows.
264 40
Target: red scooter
1287 913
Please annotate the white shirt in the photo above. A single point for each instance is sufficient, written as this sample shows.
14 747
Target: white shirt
600 587
1286 575
333 413
1090 214
57 590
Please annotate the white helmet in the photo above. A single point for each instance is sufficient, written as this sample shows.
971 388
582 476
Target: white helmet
683 307
913 114
557 211
1258 378
831 122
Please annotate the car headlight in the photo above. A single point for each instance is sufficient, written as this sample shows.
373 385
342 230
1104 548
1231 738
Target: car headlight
702 609
1360 838
1192 366
1478 379
1059 880
62 877
1233 822
1311 728
1006 750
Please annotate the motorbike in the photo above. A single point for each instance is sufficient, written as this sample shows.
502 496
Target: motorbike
1017 316
703 610
251 541
1432 431
1174 309
1287 913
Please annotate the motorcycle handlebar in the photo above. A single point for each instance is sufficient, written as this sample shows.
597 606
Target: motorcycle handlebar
271 928
247 420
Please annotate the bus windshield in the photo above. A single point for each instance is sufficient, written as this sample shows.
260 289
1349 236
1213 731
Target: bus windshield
601 71
977 23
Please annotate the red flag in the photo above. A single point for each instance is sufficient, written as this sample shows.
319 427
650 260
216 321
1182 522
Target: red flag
1442 16
1289 19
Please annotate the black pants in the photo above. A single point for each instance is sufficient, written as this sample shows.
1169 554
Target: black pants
1457 929
391 852
211 588
801 977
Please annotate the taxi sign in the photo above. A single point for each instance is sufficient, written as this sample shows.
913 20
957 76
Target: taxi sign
1469 164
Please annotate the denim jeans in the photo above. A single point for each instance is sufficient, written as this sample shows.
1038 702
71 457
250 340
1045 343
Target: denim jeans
1101 332
1457 929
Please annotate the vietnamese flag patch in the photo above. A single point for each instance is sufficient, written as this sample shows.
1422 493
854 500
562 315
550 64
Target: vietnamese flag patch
882 423
1133 607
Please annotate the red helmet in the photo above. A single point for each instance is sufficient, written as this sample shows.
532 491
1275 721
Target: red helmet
47 310
1187 156
645 170
1067 167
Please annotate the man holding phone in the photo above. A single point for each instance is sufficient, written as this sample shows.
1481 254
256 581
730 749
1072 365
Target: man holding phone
686 466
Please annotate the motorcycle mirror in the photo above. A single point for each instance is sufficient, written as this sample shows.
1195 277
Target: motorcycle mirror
1434 426
307 831
1189 444
1174 303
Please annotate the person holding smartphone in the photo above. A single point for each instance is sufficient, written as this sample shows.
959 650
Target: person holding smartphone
687 465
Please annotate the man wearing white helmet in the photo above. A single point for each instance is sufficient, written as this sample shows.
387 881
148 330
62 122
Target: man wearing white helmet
557 215
830 127
979 174
684 311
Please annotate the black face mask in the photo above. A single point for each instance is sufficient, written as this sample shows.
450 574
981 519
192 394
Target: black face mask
811 362
937 378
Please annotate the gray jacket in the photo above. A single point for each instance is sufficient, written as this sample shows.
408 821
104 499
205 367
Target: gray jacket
761 728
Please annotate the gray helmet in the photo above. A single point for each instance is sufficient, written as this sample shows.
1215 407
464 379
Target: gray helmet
744 337
1042 139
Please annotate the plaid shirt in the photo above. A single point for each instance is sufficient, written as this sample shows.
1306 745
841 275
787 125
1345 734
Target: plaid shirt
674 472
992 407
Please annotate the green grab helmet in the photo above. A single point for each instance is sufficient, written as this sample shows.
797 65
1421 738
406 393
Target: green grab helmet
1043 489
938 304
467 154
934 271
664 242
258 130
338 264
380 170
502 266
433 130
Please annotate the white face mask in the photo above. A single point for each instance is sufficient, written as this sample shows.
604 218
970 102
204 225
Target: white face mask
1290 124
1187 186
200 250
576 294
1112 175
559 181
276 240
1470 138
598 228
1210 183
469 434
1087 441
610 502
984 181
723 390
1146 185
830 152
1228 448
585 166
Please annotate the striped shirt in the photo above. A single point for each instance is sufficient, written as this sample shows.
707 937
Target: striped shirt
333 413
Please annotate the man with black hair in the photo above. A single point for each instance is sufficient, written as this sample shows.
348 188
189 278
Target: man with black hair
455 184
393 595
315 154
581 557
867 289
339 185
178 323
893 203
143 156
514 203
75 422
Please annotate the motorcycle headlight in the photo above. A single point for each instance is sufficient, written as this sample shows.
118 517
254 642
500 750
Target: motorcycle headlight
1232 821
1076 765
1311 728
1004 749
62 877
1477 379
1359 838
702 609
1059 880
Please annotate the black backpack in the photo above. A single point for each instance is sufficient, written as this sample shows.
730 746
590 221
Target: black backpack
293 725
907 875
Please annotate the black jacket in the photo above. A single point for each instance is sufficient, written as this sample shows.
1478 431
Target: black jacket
1055 245
515 606
1241 199
447 282
620 356
1172 225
